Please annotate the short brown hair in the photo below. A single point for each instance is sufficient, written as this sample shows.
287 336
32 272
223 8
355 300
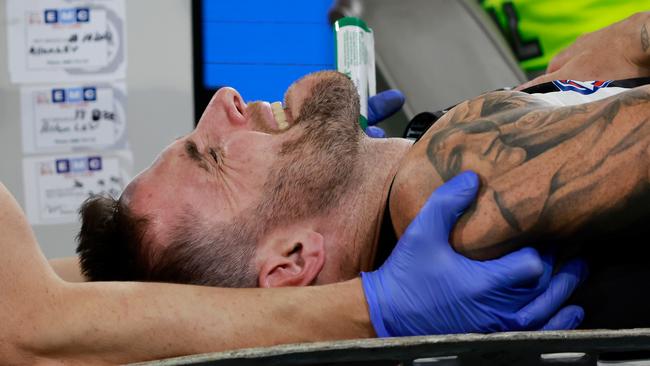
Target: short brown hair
110 240
112 247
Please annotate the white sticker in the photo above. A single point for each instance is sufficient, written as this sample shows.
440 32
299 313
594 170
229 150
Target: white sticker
66 118
58 40
55 187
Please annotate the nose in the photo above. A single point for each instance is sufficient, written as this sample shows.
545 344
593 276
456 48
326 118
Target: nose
225 112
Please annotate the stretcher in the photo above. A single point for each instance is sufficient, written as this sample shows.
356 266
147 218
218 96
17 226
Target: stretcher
584 348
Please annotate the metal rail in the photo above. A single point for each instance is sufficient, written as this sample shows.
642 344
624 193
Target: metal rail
515 348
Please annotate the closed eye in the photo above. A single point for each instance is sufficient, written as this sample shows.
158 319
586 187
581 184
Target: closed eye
213 154
192 152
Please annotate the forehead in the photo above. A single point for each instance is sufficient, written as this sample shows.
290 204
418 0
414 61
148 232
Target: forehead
175 184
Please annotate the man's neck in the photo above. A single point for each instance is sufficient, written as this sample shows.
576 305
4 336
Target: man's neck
356 223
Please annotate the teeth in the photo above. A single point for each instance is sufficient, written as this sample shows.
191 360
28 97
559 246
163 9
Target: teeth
280 117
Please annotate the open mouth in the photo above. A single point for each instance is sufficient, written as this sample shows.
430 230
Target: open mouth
268 117
279 115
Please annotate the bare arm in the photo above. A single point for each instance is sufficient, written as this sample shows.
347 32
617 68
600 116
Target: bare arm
45 318
546 171
68 269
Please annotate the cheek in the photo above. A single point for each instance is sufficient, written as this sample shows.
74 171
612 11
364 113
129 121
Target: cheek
250 154
246 147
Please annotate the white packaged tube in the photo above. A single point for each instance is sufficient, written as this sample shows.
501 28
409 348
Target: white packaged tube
355 57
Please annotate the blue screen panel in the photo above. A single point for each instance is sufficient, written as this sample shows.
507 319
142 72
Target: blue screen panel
290 11
261 47
261 83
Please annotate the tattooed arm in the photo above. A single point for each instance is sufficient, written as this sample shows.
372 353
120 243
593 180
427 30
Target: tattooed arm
547 172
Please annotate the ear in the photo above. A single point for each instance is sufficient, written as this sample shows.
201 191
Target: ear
292 258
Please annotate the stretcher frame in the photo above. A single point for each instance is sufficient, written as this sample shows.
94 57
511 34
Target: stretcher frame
577 347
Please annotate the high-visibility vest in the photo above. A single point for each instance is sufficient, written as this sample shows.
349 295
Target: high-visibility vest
538 29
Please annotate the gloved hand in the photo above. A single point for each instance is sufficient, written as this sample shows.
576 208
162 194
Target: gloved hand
380 107
425 287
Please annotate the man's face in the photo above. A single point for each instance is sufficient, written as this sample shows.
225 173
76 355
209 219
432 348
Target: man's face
478 144
238 160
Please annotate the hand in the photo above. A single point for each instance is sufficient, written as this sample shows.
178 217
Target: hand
380 107
426 288
620 51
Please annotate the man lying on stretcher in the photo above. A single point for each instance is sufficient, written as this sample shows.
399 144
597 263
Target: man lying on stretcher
243 202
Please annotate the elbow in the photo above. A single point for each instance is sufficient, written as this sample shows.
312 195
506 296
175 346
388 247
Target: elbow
34 326
16 348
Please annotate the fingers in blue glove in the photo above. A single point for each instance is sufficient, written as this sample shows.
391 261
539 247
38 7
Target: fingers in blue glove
523 268
426 288
450 201
383 105
548 263
567 318
561 286
375 132
425 235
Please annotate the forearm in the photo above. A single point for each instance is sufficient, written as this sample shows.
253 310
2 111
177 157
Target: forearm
44 318
125 322
68 269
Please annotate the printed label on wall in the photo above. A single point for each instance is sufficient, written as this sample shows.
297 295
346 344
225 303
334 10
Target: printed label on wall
67 118
56 186
63 41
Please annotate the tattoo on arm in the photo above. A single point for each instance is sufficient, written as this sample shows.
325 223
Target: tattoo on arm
584 144
645 40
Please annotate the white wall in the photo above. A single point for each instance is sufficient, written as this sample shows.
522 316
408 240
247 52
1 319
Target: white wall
159 81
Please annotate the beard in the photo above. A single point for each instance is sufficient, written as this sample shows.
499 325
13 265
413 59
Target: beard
317 168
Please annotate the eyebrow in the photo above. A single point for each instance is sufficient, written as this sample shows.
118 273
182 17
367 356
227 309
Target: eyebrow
193 152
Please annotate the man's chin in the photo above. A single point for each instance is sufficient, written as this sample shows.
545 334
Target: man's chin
303 89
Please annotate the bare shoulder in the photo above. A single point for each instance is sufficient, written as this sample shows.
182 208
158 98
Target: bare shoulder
9 209
6 197
12 219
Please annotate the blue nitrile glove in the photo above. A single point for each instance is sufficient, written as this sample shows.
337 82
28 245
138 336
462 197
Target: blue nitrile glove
425 287
380 107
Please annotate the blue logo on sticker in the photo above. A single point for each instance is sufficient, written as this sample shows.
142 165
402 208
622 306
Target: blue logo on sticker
79 165
74 95
90 94
62 166
58 95
51 16
95 163
83 15
67 16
